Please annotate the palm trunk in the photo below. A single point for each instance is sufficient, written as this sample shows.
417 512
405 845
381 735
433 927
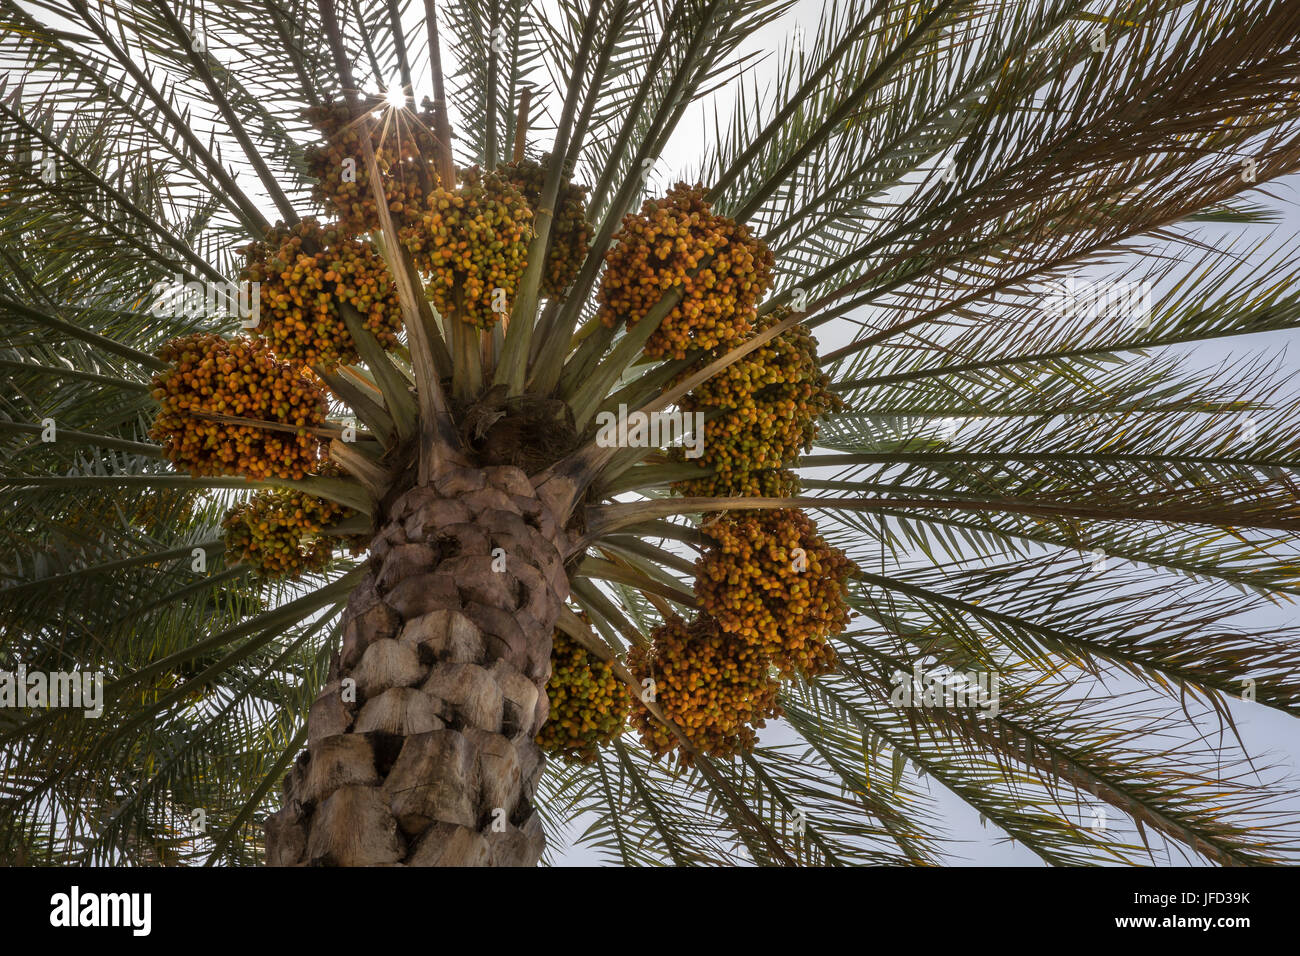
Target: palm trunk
420 748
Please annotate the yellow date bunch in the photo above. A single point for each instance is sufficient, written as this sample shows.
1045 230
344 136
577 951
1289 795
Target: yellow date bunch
745 483
566 247
589 704
469 239
403 147
471 246
305 273
280 533
708 684
761 414
776 586
229 407
721 268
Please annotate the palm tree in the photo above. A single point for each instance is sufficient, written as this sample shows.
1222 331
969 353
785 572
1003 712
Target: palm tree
370 578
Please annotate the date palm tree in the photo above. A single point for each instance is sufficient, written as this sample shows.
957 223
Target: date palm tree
1048 488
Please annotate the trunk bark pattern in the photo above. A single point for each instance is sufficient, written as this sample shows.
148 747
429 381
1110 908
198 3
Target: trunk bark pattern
420 748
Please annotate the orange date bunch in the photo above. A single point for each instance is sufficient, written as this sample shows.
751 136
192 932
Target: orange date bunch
566 247
761 414
403 146
589 704
216 400
660 248
306 273
773 583
279 533
707 683
471 246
